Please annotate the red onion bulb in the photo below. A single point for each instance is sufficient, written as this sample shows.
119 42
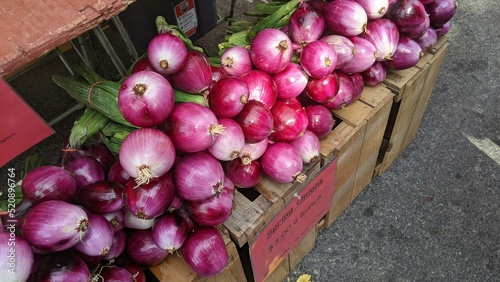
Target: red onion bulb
384 35
283 163
198 176
166 53
55 225
244 175
98 238
318 59
15 266
289 119
320 120
305 25
261 87
101 197
212 211
146 153
228 96
142 249
365 56
235 61
146 99
375 9
344 48
256 121
170 231
193 127
291 81
308 147
150 200
271 50
195 76
205 251
228 146
345 17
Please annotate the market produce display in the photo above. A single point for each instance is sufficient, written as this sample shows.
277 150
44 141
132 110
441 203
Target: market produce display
151 167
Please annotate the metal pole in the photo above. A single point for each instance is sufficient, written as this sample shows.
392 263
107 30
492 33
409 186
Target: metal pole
66 114
126 38
110 50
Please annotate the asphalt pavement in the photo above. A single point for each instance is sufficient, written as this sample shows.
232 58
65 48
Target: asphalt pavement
434 215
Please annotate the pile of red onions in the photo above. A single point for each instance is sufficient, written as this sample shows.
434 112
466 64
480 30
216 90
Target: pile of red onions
266 106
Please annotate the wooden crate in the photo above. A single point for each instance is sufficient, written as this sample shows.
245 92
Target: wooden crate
254 207
289 232
174 268
356 142
412 89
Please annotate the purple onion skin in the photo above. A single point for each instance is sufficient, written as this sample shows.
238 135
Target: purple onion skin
407 55
323 89
228 96
118 174
167 53
440 31
101 197
308 146
321 121
63 266
213 211
261 87
305 25
102 154
244 175
345 17
410 17
116 219
343 47
291 81
441 12
198 176
137 272
427 40
146 99
228 146
54 225
375 74
142 249
359 84
98 238
282 163
271 50
117 245
205 251
256 121
149 200
375 9
318 59
345 95
289 119
253 151
196 74
366 55
48 183
24 259
384 35
85 170
236 61
190 126
115 274
170 231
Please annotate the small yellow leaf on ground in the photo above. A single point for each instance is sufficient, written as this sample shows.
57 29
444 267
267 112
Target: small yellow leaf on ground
304 278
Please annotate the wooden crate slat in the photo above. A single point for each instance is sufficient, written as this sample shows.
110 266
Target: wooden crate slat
432 74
